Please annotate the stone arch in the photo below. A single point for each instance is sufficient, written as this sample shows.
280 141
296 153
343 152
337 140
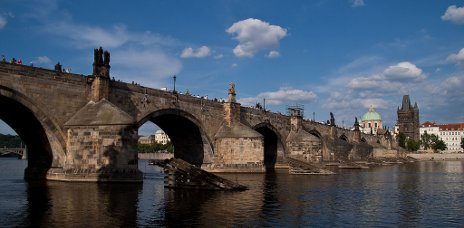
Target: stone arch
315 132
274 149
186 132
343 137
45 141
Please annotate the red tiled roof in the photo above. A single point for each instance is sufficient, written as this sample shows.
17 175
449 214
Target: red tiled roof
448 127
428 124
451 126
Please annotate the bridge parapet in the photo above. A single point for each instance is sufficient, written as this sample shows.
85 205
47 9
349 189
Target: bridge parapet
42 73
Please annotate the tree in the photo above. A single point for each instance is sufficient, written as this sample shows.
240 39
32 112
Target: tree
462 143
439 145
436 143
425 140
402 140
412 145
156 147
10 141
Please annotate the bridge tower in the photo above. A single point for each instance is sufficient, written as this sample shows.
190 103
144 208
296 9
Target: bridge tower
101 75
101 138
237 145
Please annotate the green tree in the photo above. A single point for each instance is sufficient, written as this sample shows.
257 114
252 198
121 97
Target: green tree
402 140
436 143
10 141
155 148
425 140
462 143
412 145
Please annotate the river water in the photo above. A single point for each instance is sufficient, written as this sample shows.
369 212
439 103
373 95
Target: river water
421 194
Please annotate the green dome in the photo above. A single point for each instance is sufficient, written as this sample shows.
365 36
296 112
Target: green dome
371 115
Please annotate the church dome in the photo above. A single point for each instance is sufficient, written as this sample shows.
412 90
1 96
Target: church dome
159 132
371 115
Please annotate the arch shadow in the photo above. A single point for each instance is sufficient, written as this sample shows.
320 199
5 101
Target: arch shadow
190 141
43 138
272 145
343 137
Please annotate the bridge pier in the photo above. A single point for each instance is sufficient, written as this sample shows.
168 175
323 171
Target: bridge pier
238 148
101 138
101 146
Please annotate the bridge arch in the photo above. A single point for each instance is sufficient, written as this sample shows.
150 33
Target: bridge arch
315 132
274 149
191 143
44 139
343 137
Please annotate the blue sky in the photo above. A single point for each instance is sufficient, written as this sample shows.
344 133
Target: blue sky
331 56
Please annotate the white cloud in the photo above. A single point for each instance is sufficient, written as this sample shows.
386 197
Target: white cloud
41 59
135 56
356 93
273 54
85 36
357 3
3 22
403 70
456 57
234 65
355 104
372 82
454 14
144 66
285 95
219 56
254 35
201 52
393 78
454 83
365 63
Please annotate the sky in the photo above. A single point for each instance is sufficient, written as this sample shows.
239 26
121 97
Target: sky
339 56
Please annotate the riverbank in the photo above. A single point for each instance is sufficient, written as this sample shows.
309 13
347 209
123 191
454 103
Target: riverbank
436 156
155 156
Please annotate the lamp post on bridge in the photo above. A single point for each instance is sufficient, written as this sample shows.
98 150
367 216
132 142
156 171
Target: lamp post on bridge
174 77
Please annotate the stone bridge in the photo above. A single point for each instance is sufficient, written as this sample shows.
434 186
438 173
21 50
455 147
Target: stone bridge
85 127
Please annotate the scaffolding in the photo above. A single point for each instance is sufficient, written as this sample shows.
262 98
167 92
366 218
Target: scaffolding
296 110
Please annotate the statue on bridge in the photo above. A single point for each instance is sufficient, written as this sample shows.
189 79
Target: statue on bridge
356 124
101 63
332 119
232 92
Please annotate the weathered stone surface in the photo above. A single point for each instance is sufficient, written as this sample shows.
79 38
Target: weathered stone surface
99 113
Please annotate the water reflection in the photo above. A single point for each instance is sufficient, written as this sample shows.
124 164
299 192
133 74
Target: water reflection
57 204
271 204
423 194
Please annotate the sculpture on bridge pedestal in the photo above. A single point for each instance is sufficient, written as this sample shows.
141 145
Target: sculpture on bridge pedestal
356 124
232 92
101 63
332 119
